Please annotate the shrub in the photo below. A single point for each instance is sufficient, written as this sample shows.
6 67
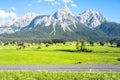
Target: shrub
91 43
82 47
101 43
118 59
47 45
39 47
78 45
118 44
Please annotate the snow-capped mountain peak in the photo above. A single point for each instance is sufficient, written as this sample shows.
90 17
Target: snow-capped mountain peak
11 26
19 22
25 20
30 14
64 17
64 12
91 18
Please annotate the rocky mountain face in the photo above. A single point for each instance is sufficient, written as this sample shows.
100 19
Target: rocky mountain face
14 25
110 28
63 17
62 24
91 18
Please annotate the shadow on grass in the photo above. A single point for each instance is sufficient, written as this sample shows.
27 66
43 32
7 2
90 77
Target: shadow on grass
63 50
118 59
67 50
78 63
115 46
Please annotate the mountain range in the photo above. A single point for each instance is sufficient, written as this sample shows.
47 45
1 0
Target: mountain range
63 24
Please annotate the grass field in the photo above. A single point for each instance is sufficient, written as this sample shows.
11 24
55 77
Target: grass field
58 76
58 54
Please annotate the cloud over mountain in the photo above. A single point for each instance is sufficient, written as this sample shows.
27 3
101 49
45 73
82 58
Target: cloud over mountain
68 1
4 14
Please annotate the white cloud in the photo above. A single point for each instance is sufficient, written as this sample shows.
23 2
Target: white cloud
71 2
55 3
52 2
4 14
73 5
67 1
12 15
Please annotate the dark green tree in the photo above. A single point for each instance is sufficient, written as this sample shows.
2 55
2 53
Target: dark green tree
83 46
91 43
39 45
111 43
47 44
78 45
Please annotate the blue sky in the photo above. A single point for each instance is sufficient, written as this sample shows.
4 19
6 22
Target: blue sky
17 8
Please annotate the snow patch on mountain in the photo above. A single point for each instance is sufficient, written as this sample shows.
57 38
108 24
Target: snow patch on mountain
91 18
43 19
64 17
25 20
9 25
6 30
4 23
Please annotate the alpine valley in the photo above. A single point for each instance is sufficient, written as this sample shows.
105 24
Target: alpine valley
63 24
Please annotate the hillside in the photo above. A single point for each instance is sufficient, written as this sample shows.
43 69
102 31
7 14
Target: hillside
112 29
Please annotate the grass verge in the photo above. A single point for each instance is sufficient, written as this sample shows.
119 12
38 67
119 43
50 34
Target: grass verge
58 76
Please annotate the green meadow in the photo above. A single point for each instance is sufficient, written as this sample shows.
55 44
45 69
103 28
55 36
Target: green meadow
58 54
58 76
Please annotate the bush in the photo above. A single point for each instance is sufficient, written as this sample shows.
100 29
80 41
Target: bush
78 45
102 44
47 45
118 44
82 47
91 43
118 59
78 63
39 47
